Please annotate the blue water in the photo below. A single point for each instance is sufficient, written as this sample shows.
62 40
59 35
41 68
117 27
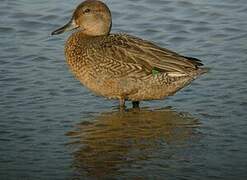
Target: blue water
51 127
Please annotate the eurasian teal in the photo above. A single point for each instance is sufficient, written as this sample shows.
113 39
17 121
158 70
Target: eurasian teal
121 66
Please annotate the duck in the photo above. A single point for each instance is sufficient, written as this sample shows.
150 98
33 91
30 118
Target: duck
122 66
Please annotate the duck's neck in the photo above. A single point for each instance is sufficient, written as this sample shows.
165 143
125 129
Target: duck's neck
77 49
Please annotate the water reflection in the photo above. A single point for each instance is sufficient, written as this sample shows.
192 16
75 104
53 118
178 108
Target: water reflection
112 141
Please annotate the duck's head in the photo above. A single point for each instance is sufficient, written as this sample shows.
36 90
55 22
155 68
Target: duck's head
92 17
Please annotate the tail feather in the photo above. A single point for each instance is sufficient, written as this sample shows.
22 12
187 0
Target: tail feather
203 70
195 61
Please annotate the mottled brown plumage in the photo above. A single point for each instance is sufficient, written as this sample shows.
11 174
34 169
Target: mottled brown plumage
121 66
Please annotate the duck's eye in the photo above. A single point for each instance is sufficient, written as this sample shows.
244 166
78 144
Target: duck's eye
87 11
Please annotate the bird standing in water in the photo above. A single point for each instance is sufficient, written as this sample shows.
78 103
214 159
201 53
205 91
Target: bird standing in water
121 66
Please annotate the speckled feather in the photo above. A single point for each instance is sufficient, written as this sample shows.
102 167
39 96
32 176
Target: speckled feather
120 66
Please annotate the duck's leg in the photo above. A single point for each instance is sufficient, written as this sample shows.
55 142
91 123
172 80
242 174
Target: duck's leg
136 104
122 104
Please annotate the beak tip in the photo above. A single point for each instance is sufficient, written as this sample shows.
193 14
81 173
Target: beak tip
69 26
56 32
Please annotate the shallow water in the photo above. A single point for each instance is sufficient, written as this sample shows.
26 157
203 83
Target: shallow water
51 127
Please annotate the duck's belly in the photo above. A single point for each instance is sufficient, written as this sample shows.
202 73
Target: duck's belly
105 85
130 88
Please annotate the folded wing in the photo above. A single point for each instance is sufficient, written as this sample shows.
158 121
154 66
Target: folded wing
132 50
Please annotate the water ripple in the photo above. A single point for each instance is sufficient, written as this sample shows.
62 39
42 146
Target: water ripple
40 100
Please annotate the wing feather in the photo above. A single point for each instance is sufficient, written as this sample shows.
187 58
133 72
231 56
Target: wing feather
145 54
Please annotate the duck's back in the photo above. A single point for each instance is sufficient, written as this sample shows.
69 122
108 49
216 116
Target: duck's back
123 66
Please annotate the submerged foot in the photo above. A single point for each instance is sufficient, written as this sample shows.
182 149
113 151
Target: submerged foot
122 104
136 104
